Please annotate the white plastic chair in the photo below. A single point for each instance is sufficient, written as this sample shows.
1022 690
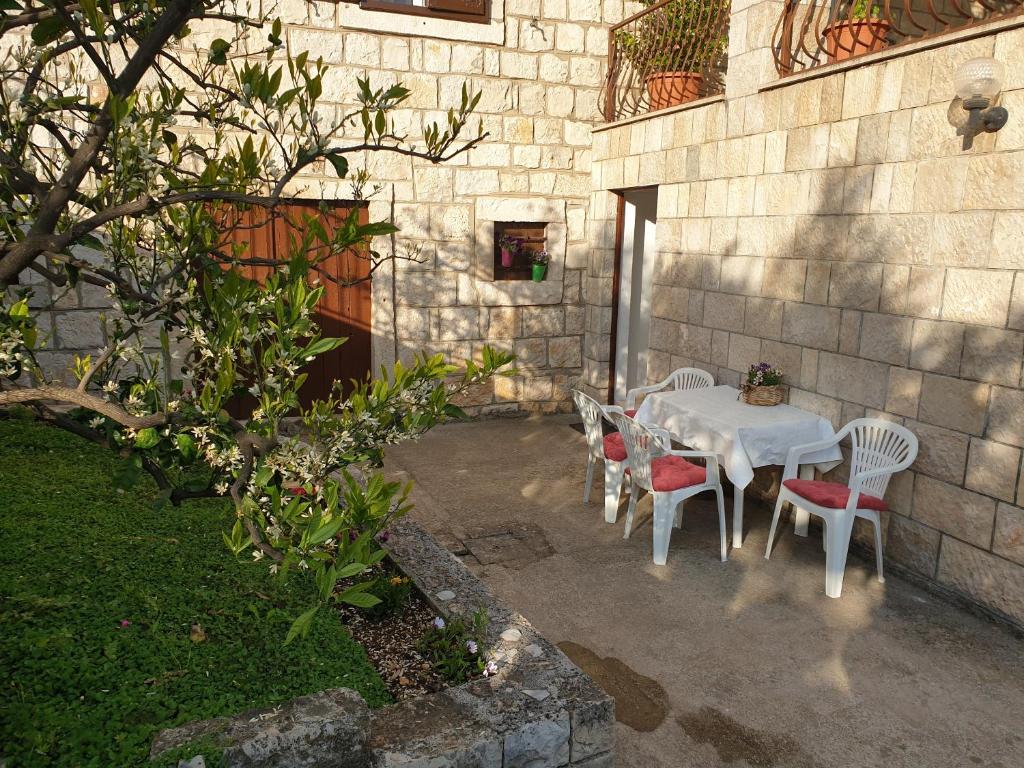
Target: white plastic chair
668 477
880 449
606 449
681 378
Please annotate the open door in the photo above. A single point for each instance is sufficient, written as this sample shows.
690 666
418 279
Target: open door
631 311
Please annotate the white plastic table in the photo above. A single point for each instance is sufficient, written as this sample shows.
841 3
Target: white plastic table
744 436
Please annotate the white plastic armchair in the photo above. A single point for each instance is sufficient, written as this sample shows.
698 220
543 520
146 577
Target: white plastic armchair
681 378
879 449
607 452
668 477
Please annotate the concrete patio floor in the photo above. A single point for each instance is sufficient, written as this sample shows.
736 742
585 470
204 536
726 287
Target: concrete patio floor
744 663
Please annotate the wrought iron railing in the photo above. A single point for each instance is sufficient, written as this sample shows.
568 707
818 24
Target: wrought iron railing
670 53
812 33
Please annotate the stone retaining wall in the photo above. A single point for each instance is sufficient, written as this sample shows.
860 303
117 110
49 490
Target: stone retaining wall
538 711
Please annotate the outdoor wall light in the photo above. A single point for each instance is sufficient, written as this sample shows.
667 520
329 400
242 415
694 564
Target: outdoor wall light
977 83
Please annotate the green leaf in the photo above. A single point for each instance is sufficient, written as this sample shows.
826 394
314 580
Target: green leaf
147 438
48 30
352 569
321 346
186 445
359 599
340 165
19 309
300 627
219 51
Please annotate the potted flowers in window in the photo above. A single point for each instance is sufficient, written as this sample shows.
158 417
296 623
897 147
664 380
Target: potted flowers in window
864 32
676 47
510 246
763 385
540 261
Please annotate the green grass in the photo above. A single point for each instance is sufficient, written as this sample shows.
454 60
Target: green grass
77 557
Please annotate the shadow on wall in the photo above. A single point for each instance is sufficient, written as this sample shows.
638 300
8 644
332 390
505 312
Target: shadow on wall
856 305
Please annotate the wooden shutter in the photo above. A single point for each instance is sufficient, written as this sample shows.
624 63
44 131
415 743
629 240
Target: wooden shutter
467 7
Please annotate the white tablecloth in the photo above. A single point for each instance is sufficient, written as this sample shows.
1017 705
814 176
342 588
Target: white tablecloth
744 436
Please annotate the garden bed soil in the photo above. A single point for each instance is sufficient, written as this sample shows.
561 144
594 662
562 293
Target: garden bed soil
391 645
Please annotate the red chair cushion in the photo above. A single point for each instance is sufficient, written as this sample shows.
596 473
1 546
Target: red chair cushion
832 495
670 473
631 412
614 448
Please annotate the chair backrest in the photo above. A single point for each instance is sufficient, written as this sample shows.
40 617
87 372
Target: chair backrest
879 444
690 378
593 415
642 446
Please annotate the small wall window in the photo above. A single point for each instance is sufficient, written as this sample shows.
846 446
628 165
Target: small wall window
456 10
516 263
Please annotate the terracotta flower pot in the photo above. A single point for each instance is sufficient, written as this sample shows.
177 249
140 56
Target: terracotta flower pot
538 272
670 89
846 39
506 257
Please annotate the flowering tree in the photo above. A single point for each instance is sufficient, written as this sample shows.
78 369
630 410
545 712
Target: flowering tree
122 146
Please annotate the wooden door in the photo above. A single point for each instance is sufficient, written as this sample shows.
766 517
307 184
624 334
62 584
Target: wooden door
344 311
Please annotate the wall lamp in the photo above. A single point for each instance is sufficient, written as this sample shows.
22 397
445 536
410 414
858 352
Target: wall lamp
978 82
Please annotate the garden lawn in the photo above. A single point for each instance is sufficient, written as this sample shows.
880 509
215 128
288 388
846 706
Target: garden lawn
98 592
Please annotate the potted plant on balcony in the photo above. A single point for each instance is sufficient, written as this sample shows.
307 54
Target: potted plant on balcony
675 47
509 246
540 261
864 32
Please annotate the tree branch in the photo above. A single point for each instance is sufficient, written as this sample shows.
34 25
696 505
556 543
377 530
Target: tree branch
62 394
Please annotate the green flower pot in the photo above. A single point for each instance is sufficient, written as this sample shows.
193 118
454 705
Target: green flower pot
538 272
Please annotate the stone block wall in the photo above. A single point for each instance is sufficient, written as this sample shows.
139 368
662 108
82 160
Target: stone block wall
539 66
833 225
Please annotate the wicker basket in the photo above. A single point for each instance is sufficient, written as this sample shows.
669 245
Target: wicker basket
771 395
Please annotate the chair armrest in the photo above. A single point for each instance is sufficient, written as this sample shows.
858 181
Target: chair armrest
710 460
793 457
632 394
663 435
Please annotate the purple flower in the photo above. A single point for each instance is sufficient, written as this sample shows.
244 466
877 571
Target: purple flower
125 623
384 536
471 646
490 669
438 623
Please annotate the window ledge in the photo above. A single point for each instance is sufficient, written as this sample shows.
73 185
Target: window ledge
351 16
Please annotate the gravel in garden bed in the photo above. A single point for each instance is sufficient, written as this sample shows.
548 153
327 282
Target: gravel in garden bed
391 645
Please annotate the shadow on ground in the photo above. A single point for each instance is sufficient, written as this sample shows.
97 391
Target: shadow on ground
744 663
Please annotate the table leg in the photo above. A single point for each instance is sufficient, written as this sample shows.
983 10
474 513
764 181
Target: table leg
801 516
737 517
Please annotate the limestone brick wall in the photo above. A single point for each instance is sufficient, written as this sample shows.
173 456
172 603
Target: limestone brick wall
539 66
835 227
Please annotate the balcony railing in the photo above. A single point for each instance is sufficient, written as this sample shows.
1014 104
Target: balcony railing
668 54
812 33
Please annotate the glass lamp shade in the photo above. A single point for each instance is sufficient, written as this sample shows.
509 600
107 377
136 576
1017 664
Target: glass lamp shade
981 77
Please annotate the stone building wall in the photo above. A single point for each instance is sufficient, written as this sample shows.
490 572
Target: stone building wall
834 226
539 67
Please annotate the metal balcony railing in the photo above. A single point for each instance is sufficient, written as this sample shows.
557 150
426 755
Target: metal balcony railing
812 33
670 53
